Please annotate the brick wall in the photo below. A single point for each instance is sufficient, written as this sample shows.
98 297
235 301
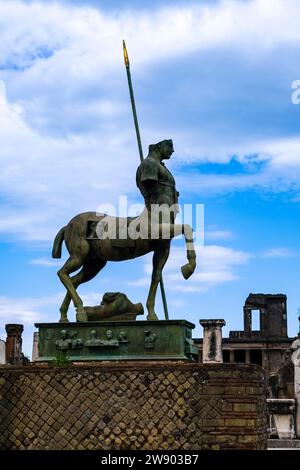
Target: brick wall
133 406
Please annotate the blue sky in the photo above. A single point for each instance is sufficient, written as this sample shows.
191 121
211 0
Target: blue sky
216 76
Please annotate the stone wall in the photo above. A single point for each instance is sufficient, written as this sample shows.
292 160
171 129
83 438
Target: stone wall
133 405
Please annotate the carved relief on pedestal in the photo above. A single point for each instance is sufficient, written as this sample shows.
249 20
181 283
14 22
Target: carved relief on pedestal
122 337
109 340
68 340
189 345
150 339
49 334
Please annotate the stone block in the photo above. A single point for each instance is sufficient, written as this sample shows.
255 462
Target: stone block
240 422
244 407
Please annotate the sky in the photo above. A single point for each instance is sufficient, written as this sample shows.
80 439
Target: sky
215 76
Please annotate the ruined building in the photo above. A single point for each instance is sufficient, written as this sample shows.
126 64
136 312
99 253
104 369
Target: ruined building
267 345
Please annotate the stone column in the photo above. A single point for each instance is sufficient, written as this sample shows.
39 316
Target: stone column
2 352
13 347
35 350
265 360
247 321
296 361
248 356
212 340
263 321
231 355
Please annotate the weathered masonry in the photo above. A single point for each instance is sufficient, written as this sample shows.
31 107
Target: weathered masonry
264 340
133 405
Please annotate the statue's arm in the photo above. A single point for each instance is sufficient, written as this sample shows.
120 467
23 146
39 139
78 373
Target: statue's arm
147 177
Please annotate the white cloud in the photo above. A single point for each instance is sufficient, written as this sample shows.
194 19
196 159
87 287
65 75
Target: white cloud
141 282
26 310
68 52
215 234
49 177
46 179
278 253
48 263
92 298
280 171
84 40
178 303
215 266
29 310
64 145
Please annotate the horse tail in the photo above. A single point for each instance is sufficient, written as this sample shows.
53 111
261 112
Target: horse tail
56 250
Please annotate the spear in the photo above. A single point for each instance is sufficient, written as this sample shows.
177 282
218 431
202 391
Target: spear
138 137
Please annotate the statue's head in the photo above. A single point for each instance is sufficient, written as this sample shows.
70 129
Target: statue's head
63 334
109 297
109 334
164 148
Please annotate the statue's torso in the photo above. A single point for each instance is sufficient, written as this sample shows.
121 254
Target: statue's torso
156 183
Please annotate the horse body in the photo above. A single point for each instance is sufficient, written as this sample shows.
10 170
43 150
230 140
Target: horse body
91 253
109 248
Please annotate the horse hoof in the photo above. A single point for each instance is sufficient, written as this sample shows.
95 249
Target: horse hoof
152 316
187 270
81 315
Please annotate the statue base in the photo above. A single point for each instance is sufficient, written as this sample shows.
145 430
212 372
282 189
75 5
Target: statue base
122 340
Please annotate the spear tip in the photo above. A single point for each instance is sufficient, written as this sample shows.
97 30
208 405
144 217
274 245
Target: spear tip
126 58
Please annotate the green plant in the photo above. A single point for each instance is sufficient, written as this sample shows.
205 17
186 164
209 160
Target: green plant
61 359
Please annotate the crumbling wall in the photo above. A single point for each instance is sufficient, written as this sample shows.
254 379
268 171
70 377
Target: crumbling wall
273 315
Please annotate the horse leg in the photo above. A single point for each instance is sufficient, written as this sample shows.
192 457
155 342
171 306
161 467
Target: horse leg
64 307
71 265
88 272
173 230
160 257
188 269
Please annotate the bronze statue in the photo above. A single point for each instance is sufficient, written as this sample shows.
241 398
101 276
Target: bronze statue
154 180
156 228
114 304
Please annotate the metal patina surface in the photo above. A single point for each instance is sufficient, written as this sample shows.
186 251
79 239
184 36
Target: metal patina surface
122 340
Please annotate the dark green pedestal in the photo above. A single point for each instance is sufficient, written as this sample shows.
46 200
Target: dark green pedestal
123 340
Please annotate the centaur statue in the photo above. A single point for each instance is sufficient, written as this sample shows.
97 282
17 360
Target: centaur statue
91 245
